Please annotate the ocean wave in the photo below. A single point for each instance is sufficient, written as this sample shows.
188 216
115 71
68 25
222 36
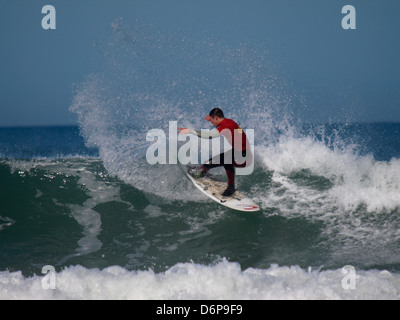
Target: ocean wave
354 179
302 194
224 280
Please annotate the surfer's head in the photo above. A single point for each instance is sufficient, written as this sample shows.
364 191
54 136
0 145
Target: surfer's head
215 116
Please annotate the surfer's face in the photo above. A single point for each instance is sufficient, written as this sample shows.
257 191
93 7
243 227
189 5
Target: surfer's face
215 121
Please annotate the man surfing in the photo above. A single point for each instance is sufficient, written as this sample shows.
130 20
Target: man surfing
239 156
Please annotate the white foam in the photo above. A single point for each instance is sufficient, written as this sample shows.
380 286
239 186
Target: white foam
225 280
5 222
359 205
357 180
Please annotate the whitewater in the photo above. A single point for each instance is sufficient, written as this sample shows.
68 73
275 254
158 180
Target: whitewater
223 281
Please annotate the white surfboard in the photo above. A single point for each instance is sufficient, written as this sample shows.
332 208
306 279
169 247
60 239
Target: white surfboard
214 189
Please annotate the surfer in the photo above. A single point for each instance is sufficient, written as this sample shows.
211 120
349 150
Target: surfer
239 156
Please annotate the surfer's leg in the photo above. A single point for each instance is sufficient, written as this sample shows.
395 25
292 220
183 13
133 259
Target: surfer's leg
230 172
212 163
223 160
217 161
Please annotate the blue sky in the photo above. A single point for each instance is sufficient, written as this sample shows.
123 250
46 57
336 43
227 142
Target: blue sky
356 72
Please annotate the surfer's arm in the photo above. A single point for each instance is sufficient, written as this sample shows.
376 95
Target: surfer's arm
205 134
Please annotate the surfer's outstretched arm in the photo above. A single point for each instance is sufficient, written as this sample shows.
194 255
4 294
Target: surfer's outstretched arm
205 134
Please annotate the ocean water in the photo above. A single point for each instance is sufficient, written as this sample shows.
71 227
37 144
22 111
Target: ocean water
85 201
323 208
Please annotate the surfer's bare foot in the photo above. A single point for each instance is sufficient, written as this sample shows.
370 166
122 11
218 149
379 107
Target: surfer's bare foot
229 191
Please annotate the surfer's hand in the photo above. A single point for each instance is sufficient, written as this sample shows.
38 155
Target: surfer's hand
183 130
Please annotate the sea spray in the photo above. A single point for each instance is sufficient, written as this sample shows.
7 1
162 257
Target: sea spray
148 78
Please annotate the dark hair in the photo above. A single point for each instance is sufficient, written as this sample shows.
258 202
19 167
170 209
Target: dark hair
216 112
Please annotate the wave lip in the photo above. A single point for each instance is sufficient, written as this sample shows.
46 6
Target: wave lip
224 280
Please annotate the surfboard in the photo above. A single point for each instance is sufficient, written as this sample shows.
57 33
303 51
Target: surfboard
213 188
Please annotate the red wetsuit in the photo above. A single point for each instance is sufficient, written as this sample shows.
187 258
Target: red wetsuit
233 133
238 157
